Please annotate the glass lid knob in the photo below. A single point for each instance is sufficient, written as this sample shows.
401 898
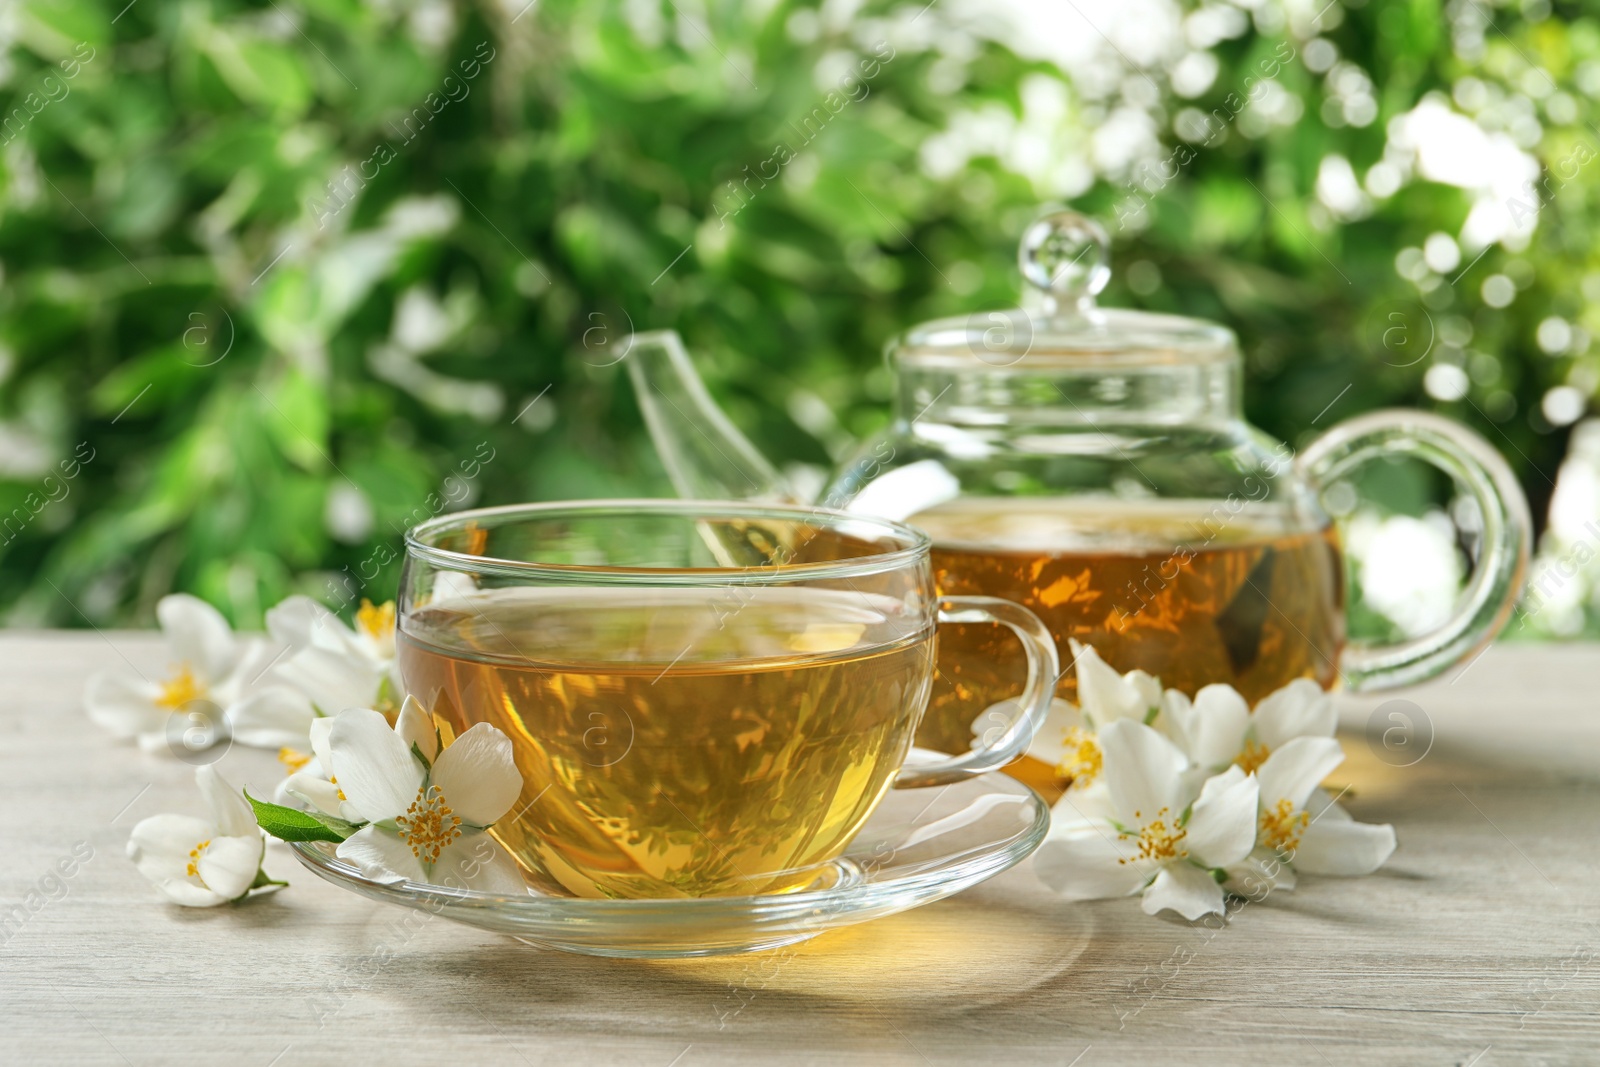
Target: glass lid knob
1066 256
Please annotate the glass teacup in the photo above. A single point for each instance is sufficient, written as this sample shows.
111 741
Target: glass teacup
704 699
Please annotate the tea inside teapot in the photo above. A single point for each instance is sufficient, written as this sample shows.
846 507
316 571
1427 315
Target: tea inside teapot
1188 590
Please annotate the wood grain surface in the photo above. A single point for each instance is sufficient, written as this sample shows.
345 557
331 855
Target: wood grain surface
1478 944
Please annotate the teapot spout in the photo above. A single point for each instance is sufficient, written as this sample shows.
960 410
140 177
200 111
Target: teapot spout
706 456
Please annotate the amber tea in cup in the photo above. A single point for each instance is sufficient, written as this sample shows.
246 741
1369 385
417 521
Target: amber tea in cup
702 699
806 701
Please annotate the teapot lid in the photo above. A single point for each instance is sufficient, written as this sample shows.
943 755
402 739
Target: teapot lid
1064 259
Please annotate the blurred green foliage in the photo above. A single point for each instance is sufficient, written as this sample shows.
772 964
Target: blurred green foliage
290 272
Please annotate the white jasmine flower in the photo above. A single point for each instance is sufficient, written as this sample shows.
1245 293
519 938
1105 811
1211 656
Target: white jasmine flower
1335 844
209 674
334 665
1106 696
1215 794
274 716
1299 825
1300 709
1063 741
427 815
1217 728
1066 740
310 776
1147 833
1210 728
201 863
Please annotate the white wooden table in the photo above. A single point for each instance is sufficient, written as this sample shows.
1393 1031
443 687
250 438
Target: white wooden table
1478 944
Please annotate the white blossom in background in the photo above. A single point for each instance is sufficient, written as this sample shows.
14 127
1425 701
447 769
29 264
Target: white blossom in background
1563 591
432 23
421 322
24 452
1410 570
347 513
1339 190
1114 113
1101 118
1442 145
201 863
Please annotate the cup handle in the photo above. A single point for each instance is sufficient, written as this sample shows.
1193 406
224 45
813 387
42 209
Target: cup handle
1497 580
1043 670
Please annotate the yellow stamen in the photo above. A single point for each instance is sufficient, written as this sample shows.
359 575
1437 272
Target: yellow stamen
376 620
334 781
1282 827
193 869
1157 841
180 689
292 759
1083 760
1253 756
429 825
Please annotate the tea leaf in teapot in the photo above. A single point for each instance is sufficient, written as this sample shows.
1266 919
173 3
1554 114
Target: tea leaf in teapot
1240 623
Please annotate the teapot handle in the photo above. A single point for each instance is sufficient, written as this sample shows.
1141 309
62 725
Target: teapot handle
1497 580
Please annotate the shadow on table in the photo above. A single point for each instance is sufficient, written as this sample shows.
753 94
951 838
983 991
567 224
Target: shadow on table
1010 963
948 961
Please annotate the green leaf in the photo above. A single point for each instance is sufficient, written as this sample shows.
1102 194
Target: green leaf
288 824
53 27
263 879
295 412
167 372
386 698
258 70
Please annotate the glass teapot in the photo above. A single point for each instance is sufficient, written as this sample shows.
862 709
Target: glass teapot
1094 465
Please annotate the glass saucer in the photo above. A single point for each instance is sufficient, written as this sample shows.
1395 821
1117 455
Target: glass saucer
919 846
